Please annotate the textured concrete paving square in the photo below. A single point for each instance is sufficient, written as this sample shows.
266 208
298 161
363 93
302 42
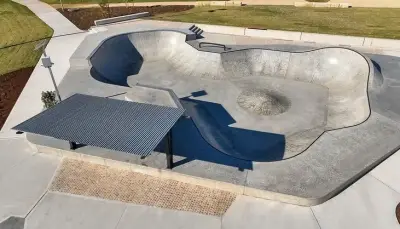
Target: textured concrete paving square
64 211
367 204
248 212
23 184
137 216
389 171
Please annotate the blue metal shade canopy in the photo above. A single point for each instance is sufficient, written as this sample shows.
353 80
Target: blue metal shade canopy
125 126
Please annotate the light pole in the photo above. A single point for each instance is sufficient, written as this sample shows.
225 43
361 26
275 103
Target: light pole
62 5
46 61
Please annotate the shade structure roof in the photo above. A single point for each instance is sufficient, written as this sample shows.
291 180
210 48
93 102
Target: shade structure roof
103 122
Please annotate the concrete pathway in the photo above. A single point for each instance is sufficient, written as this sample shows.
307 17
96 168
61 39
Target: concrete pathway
368 203
24 177
29 103
57 210
51 17
249 212
60 49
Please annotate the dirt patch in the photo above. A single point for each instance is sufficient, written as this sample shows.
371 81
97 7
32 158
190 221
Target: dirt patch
11 86
84 18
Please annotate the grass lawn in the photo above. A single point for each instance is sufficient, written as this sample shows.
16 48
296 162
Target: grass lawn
19 25
370 22
114 1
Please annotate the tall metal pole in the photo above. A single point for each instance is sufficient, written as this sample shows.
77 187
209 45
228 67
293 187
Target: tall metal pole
55 85
47 64
168 150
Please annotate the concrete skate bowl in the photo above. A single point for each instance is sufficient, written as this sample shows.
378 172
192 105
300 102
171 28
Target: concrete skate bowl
265 82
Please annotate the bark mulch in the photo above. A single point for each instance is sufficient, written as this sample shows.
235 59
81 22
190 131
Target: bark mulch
11 86
84 18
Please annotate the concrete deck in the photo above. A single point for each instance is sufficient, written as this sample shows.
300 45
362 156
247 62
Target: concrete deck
350 114
369 203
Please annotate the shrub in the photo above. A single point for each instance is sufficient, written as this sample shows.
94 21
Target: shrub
49 98
105 8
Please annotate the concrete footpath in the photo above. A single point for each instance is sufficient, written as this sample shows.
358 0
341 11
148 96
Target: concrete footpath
51 17
65 40
25 176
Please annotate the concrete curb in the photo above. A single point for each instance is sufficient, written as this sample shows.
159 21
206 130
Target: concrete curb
222 29
121 18
322 4
284 35
332 39
168 174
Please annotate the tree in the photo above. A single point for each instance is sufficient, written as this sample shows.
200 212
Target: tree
105 8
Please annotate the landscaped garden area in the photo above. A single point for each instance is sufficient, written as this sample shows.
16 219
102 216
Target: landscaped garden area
84 18
369 22
20 31
112 1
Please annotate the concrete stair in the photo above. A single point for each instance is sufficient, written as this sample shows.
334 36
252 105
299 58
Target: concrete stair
195 29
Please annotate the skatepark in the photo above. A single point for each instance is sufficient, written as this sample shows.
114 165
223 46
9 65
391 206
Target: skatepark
284 122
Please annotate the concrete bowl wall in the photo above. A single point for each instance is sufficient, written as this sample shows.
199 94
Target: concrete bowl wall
343 71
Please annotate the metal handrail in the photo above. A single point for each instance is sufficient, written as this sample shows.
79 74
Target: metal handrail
214 44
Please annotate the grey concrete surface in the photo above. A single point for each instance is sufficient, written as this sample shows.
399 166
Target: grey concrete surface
29 104
137 216
248 212
368 204
59 210
13 223
14 151
51 17
121 18
334 91
65 211
24 177
389 171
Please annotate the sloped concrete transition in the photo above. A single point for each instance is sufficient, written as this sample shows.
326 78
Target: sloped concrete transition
299 124
334 82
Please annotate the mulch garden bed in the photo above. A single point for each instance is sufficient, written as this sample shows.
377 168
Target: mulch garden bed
11 86
84 18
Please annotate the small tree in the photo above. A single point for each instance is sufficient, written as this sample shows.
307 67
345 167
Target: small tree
105 8
49 99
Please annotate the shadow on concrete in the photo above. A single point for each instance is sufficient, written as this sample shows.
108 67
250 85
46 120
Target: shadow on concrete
188 143
13 223
115 60
206 135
